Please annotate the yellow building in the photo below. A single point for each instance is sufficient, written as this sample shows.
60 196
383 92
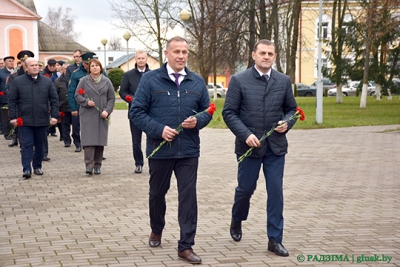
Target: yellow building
307 58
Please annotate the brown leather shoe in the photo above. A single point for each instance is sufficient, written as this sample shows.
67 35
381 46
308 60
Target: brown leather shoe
155 240
189 256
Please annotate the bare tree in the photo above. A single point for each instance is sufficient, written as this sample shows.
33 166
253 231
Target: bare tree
337 44
115 43
62 21
148 21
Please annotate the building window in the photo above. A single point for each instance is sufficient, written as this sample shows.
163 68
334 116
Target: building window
324 30
110 59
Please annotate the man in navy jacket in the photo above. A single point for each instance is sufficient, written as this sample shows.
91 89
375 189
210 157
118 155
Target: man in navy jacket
31 94
258 99
166 98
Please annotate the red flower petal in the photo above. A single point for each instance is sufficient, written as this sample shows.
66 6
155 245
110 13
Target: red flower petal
129 98
211 109
1 93
20 122
81 91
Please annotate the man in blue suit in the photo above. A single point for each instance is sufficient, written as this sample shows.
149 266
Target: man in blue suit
258 99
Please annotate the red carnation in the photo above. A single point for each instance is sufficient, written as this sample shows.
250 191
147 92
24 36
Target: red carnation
301 112
1 93
81 91
62 114
129 98
211 109
20 122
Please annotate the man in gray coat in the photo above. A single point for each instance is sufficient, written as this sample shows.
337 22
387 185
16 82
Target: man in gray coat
259 99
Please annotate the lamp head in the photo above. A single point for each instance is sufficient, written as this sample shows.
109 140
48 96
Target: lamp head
184 15
127 36
104 41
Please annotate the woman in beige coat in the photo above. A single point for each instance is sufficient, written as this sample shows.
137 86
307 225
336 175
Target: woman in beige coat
96 97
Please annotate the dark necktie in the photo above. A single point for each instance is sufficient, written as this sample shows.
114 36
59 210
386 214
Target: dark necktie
266 77
176 75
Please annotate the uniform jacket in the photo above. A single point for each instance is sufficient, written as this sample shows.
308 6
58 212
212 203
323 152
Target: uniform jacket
158 103
32 99
76 76
4 73
253 106
62 91
94 129
130 82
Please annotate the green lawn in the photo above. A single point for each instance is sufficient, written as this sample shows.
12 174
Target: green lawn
347 114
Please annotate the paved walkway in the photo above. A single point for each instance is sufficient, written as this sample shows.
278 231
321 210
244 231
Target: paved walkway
341 202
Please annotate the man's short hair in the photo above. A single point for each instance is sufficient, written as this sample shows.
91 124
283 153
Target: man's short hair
264 42
176 39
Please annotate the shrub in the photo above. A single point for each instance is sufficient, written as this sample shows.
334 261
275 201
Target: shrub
115 75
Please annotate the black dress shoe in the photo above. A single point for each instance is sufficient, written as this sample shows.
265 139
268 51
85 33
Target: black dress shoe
154 240
89 171
53 134
97 171
277 248
189 256
138 169
7 137
236 230
104 158
67 144
14 142
78 149
38 171
46 159
27 174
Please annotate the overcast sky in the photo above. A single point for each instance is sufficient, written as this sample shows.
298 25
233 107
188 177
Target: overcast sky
93 19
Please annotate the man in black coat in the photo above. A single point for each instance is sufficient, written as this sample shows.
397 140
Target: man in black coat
260 99
66 120
72 67
4 73
129 84
32 94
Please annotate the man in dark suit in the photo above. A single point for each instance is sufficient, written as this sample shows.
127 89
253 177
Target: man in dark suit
258 99
72 67
129 84
32 94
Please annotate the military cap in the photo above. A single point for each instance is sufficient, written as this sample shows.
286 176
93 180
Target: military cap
24 54
61 62
40 63
86 57
51 62
7 57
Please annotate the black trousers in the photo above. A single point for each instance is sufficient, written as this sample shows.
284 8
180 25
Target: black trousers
66 122
160 179
4 120
136 134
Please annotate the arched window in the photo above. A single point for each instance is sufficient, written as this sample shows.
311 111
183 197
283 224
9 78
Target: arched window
15 37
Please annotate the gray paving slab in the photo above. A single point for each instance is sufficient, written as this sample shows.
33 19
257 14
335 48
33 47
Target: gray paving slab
341 191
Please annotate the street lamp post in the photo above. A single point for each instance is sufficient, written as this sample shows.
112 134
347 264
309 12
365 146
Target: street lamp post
104 41
127 36
185 16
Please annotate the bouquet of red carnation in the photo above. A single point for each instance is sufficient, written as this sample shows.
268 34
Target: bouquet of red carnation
298 115
20 122
210 110
129 98
82 92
